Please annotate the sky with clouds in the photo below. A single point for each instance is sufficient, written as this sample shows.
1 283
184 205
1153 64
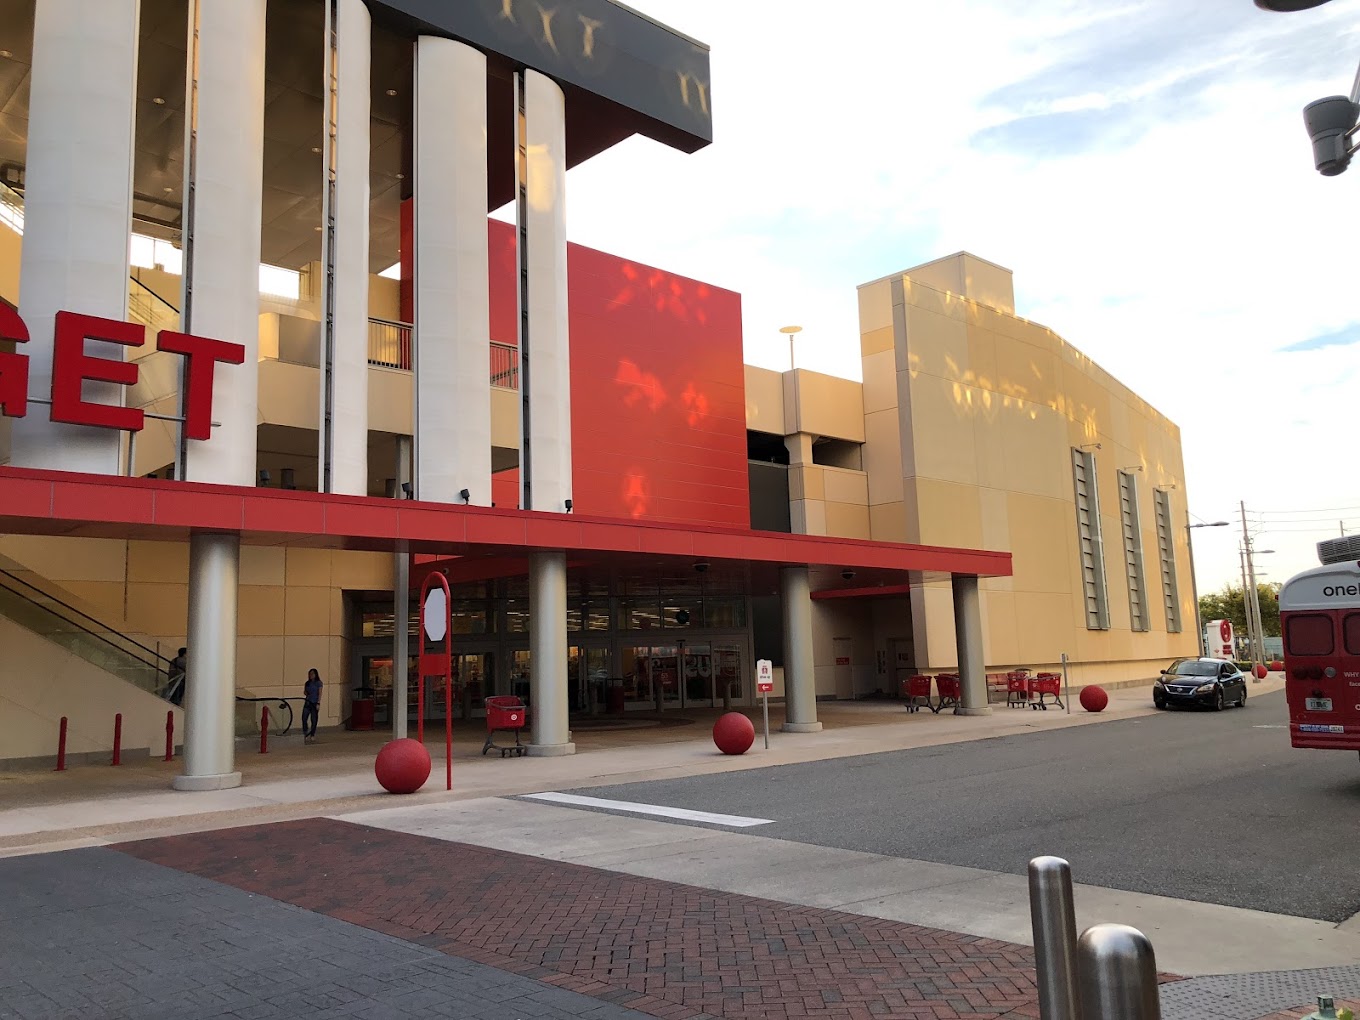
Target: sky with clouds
1140 165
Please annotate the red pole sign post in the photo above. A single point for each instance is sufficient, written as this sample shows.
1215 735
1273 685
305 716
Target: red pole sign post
264 730
169 735
117 739
436 627
61 746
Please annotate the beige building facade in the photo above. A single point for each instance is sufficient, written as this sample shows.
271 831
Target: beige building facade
976 428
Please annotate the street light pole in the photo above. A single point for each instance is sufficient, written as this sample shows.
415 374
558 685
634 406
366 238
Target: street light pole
1194 581
791 332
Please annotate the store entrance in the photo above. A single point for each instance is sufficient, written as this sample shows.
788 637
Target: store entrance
588 678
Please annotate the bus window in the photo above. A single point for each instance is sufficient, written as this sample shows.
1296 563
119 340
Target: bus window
1309 634
1350 627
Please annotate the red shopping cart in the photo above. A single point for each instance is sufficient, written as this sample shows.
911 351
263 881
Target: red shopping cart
505 713
950 689
916 689
1017 688
1043 684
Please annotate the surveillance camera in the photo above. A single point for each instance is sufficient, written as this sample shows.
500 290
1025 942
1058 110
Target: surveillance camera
1329 122
848 574
701 566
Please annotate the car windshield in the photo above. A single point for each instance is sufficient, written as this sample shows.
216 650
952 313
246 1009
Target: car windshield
1194 667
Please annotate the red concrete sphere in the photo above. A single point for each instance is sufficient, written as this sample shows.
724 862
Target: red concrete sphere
402 766
1094 699
733 733
1258 671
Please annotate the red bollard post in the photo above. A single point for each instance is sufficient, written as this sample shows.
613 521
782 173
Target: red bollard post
117 739
264 730
169 735
61 747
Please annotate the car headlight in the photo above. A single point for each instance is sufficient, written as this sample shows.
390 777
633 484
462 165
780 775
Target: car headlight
1205 688
1159 683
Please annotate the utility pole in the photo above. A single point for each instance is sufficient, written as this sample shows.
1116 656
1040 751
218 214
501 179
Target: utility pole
1246 606
1254 606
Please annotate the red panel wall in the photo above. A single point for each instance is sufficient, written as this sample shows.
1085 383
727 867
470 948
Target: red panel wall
658 389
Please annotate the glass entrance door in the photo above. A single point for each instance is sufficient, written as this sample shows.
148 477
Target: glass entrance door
588 675
713 674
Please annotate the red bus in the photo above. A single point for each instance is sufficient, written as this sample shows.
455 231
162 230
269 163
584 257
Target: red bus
1320 620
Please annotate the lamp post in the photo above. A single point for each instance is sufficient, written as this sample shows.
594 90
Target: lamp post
791 332
1194 581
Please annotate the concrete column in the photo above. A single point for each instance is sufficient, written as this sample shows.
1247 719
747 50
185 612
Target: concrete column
543 215
548 654
222 224
968 629
401 602
77 209
800 679
210 684
344 438
452 266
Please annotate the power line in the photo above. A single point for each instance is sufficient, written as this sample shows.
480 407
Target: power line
1308 510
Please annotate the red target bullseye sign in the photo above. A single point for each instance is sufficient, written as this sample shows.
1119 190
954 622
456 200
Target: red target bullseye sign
1225 631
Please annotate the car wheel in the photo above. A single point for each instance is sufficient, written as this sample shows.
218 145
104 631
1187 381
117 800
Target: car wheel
1158 703
1242 701
1218 700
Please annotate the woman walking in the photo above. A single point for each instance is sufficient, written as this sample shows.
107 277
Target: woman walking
311 706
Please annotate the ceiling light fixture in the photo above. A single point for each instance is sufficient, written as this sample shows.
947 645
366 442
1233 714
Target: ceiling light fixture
391 92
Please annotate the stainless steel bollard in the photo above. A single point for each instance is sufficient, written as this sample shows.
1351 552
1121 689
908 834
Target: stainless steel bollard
1118 974
1053 916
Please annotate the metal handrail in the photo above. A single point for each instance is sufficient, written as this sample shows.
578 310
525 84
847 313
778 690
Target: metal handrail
286 708
160 662
154 293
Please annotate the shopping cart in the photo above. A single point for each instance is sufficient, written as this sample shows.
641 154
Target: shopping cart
950 688
505 713
916 689
1045 684
1017 688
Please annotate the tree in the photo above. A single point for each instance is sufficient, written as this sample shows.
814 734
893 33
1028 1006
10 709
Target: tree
1228 605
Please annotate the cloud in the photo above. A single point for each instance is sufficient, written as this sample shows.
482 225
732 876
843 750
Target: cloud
1338 338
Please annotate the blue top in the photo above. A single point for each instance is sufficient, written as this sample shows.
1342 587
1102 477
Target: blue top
312 691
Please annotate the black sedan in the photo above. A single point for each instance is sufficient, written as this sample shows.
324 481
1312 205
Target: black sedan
1206 683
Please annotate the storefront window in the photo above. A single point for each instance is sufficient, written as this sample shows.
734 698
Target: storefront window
517 616
682 613
725 614
596 615
470 618
640 614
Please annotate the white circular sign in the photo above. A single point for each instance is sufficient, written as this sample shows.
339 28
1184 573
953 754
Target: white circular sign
436 614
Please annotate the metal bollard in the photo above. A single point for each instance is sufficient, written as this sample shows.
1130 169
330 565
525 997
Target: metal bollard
117 739
61 747
1053 917
264 730
169 735
1118 974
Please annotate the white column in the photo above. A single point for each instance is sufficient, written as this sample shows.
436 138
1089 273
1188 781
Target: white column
346 300
452 304
401 602
968 630
77 208
210 674
222 249
800 679
548 654
545 230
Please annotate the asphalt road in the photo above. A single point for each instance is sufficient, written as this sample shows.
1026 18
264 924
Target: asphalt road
1204 806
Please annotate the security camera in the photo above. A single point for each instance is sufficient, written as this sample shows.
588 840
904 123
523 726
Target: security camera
848 574
1330 122
701 566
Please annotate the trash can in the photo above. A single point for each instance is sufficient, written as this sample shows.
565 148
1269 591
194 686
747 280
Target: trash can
361 709
616 698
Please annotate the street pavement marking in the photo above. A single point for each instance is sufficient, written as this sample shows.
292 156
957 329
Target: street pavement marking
684 814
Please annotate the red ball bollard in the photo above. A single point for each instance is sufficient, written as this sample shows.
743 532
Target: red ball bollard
170 735
61 747
402 766
1094 699
264 730
1259 671
733 733
117 739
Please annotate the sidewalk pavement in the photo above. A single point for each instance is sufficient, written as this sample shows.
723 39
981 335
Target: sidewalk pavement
92 805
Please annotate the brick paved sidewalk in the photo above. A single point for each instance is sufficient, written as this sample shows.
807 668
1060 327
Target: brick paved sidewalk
667 950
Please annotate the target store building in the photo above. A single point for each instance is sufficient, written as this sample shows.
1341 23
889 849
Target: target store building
266 363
